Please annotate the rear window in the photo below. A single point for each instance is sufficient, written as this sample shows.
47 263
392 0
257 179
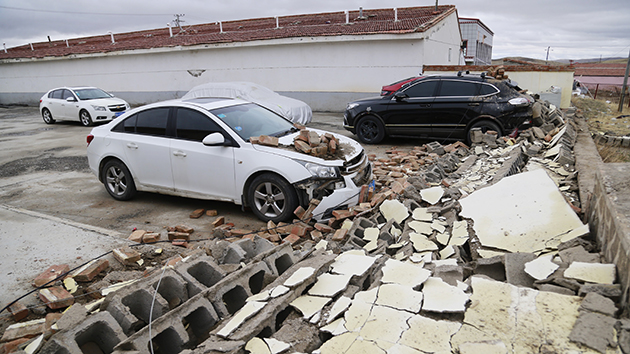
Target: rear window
487 89
149 122
452 88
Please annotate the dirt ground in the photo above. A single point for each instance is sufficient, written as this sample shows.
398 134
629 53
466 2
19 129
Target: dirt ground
604 117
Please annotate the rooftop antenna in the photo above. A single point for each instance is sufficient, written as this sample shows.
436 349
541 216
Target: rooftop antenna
178 21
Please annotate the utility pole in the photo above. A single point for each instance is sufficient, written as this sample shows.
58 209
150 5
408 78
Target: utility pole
625 83
547 59
436 5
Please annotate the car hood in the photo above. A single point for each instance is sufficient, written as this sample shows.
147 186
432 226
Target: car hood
349 147
105 101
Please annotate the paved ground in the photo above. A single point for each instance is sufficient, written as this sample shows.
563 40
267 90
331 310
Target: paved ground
50 198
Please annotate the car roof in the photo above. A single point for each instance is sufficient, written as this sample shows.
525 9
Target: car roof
207 103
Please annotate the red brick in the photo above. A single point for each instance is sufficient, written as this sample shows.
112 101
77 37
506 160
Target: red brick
12 346
282 228
271 228
126 255
397 187
298 229
178 235
197 213
212 213
56 297
303 136
324 228
340 235
341 214
90 270
184 228
218 221
268 140
316 235
302 146
51 273
292 238
313 139
299 212
150 237
180 242
320 151
332 146
254 140
136 236
28 329
18 311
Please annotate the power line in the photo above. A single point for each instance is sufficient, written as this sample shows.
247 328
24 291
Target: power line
79 12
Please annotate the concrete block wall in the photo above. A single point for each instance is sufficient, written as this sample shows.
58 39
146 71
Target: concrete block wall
612 234
97 333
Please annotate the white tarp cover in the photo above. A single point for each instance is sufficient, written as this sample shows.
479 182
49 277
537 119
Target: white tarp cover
521 213
294 110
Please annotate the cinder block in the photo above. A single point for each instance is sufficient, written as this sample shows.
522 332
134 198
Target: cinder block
131 306
200 274
184 327
245 249
229 294
279 259
98 333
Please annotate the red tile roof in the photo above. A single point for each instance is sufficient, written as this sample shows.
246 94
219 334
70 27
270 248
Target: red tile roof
600 69
376 21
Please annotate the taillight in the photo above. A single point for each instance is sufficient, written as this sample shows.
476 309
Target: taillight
89 139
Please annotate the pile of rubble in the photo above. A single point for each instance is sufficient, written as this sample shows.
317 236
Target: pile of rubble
307 142
452 249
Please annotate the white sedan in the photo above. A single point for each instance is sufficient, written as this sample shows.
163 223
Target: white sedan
87 104
200 148
294 110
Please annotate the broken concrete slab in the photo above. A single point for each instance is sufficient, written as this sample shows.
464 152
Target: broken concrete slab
421 243
299 276
597 303
432 195
428 335
442 297
330 284
399 297
351 263
503 213
541 267
406 274
310 305
595 331
248 310
591 272
526 319
393 209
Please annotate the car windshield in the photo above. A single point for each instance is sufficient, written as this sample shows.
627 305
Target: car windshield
91 94
249 120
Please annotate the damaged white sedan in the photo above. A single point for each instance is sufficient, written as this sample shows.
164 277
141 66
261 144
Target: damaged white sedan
201 148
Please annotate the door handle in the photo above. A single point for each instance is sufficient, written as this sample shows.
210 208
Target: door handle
132 145
179 153
474 104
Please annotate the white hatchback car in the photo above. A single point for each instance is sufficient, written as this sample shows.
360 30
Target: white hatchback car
87 104
200 148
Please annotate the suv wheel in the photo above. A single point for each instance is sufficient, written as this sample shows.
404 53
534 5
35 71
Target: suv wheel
370 130
272 198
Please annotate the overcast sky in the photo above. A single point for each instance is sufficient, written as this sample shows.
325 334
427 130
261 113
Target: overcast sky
574 29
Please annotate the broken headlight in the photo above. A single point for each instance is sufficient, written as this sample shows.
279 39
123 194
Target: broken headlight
519 101
320 170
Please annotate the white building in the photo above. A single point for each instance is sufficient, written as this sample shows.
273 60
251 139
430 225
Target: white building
324 59
476 41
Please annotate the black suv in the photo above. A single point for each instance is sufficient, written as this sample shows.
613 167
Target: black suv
442 107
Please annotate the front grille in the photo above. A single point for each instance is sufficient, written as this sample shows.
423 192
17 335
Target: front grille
117 108
354 164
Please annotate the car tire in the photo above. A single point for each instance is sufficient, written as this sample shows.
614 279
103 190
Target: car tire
370 130
47 116
272 198
485 126
118 180
85 118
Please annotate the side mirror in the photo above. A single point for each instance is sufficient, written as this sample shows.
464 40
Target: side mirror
214 139
71 99
400 96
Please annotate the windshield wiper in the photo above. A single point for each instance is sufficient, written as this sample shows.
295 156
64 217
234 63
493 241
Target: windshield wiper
286 132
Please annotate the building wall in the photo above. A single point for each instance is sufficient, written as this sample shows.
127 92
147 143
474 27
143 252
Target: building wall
479 43
325 72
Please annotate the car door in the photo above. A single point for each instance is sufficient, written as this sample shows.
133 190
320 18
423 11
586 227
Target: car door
146 148
456 103
69 109
411 115
200 170
54 104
